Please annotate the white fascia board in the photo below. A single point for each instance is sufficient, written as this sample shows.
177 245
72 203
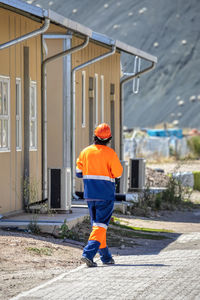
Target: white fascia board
123 46
102 38
72 25
134 51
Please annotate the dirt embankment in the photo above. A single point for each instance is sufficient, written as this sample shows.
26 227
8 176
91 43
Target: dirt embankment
27 260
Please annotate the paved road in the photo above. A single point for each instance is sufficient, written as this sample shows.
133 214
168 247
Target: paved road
174 273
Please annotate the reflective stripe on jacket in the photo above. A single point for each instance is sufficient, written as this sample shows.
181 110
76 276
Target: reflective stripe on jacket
99 165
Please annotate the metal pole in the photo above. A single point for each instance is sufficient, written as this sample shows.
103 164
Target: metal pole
94 60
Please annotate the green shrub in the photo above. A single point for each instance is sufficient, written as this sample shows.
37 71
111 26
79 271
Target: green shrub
65 233
194 145
196 180
64 230
33 227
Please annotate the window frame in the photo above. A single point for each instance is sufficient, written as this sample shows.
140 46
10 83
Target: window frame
33 84
83 99
18 116
5 117
102 97
96 98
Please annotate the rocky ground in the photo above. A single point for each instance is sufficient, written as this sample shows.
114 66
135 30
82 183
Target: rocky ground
180 166
156 173
27 260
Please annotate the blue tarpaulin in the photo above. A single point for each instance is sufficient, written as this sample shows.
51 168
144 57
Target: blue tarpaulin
165 132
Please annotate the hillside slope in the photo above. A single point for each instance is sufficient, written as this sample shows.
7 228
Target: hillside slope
167 29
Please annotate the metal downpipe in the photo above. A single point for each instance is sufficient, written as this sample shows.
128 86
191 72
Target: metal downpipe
122 82
44 107
94 60
27 36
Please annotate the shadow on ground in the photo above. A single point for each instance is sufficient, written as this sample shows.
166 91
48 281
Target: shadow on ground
187 216
145 246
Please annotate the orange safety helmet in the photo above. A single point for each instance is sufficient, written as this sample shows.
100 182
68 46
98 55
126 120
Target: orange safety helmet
103 131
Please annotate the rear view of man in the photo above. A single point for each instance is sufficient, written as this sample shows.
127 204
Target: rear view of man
99 165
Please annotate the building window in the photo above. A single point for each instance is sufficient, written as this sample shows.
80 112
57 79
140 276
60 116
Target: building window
112 113
96 99
33 116
83 98
102 98
112 89
18 115
91 109
4 113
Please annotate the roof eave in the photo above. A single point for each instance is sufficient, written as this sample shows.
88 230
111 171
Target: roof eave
134 51
103 39
53 16
71 25
122 47
28 8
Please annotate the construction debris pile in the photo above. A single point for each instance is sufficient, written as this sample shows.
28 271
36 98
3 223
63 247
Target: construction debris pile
156 178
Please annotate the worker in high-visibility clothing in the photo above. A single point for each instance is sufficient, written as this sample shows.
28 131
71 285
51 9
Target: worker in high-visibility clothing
99 165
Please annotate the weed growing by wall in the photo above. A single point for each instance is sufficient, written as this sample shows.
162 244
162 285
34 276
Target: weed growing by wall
65 233
196 180
194 145
30 191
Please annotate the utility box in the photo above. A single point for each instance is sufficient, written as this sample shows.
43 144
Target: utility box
137 174
123 185
59 191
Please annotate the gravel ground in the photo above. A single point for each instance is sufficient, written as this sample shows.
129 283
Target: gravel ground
27 260
181 166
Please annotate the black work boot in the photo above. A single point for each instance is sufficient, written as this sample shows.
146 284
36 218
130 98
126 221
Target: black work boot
90 263
110 262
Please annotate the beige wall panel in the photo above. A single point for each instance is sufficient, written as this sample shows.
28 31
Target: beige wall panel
56 29
5 182
18 57
35 156
19 181
6 159
4 37
11 64
39 105
20 30
35 177
12 113
54 106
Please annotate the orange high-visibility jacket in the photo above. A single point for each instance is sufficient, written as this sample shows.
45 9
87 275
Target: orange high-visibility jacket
99 165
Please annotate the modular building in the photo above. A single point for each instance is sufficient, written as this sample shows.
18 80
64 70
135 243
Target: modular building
58 80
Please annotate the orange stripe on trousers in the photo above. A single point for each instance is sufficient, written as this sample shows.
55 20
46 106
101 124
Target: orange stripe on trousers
98 234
